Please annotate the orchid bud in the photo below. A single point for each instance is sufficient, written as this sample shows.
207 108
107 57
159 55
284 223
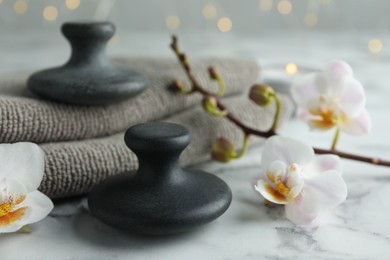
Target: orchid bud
262 95
222 150
177 86
213 73
209 104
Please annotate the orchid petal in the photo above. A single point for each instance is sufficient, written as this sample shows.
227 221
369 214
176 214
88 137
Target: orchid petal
358 125
37 206
352 97
337 70
40 203
308 87
23 162
299 217
323 191
286 150
320 125
15 220
277 169
295 183
304 114
3 195
315 122
16 188
268 192
322 163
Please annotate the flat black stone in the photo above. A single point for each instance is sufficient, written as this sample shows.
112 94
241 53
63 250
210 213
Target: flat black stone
88 78
160 198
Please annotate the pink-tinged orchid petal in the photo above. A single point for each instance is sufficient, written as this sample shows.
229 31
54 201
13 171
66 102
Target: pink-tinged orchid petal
332 98
307 185
320 125
322 163
323 191
287 150
295 182
269 193
34 208
352 97
304 114
358 125
277 169
299 217
336 71
23 162
309 87
315 122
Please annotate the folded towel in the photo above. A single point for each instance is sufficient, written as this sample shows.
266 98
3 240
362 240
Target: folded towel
25 117
73 168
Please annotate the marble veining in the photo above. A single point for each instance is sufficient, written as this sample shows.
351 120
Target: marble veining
357 229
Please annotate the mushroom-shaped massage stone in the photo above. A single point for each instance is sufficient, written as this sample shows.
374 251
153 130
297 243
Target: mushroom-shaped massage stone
88 78
161 197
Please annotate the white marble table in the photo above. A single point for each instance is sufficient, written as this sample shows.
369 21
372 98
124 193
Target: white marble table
358 229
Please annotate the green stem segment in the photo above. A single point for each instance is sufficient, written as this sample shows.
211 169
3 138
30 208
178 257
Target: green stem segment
221 86
244 147
277 113
216 112
335 139
186 91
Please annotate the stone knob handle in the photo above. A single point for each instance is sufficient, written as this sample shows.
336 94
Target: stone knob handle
158 147
98 31
88 42
157 137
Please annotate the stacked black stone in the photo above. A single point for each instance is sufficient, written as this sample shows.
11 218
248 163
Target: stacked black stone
88 78
161 197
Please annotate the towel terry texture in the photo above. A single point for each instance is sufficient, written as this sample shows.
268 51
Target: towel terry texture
84 145
25 117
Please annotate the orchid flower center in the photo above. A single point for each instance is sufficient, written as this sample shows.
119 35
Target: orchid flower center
287 182
326 112
9 205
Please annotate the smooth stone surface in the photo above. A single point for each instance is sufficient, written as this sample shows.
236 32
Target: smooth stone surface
160 198
159 209
88 78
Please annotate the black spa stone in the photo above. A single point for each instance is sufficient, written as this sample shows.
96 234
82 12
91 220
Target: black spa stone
161 197
88 78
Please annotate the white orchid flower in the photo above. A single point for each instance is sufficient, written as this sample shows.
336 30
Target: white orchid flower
21 172
332 98
306 184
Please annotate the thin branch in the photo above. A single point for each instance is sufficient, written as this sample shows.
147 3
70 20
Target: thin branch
355 157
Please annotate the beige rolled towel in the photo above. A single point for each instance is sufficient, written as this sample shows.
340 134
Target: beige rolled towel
73 168
24 117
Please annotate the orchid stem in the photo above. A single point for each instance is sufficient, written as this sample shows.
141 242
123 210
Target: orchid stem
244 148
335 139
221 86
277 113
186 91
218 113
214 75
